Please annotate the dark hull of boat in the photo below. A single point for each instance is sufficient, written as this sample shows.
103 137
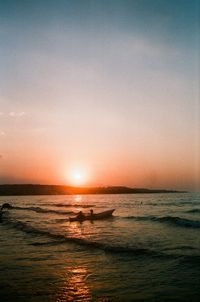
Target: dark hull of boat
98 216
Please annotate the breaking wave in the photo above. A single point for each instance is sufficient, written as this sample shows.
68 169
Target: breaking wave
60 239
41 210
57 239
176 221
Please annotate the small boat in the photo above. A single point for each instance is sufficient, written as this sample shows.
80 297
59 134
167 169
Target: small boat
98 216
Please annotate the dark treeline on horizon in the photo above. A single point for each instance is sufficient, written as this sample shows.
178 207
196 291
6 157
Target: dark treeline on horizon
36 189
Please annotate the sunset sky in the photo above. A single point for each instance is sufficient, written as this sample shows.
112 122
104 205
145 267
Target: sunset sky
103 90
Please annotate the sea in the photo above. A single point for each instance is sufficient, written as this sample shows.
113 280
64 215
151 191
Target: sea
148 251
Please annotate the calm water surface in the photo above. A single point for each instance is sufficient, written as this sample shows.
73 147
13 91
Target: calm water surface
149 250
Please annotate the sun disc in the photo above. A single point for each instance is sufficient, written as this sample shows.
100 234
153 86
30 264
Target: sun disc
77 177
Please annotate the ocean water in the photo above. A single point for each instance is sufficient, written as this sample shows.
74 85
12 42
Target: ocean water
148 251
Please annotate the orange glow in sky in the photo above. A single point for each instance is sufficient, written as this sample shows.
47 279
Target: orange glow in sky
100 95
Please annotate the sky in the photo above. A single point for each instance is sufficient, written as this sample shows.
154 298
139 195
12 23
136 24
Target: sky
101 91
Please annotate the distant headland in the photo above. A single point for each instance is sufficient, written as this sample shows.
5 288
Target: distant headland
36 189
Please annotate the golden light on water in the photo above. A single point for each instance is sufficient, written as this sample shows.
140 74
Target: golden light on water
78 198
75 286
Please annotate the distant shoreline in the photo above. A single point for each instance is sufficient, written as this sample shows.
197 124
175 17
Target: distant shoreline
36 189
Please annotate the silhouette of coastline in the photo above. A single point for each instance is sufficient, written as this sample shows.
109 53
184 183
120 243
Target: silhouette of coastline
36 189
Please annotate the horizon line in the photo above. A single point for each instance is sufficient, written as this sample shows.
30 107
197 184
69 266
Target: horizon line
94 187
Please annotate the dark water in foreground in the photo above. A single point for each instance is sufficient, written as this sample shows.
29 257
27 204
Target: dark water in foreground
149 250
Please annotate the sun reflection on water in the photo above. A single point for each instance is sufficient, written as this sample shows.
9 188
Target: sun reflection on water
78 198
75 287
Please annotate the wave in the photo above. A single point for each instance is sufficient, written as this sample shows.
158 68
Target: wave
48 243
60 205
62 220
189 259
41 210
193 211
181 247
172 203
177 221
60 239
68 205
57 239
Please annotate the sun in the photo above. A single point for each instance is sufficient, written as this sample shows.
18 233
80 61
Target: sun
77 177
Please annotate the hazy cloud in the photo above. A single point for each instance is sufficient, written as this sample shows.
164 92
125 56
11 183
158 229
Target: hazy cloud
17 114
2 133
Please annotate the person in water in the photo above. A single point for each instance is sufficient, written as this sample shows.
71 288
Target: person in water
4 206
80 215
91 213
